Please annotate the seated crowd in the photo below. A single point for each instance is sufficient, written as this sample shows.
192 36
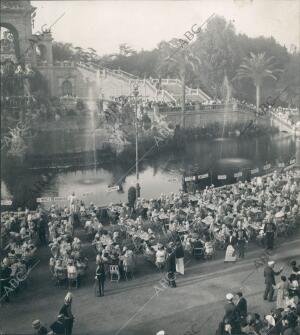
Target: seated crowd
217 218
21 234
287 114
67 262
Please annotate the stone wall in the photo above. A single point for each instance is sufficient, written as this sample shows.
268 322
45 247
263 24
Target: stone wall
205 118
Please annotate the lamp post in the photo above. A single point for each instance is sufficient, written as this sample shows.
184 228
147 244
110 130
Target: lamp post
138 188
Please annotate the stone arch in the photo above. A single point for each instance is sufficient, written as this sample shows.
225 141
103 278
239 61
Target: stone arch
15 34
67 87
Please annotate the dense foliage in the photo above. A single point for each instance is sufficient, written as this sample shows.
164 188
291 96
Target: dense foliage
221 51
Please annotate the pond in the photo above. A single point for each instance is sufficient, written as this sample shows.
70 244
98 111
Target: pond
158 174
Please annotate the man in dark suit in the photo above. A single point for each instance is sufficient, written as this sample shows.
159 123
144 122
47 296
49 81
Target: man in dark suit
100 276
231 316
269 275
241 242
241 306
171 265
269 230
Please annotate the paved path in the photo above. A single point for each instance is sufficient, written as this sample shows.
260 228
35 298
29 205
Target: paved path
144 305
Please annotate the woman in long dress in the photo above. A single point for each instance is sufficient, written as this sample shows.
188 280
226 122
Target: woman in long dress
179 258
282 292
230 255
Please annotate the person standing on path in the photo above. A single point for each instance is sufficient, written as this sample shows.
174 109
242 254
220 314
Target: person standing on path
100 276
269 230
171 266
241 242
282 292
66 311
269 275
179 258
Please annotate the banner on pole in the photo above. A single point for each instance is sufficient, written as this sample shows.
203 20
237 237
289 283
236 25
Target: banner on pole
45 199
281 165
203 176
238 174
190 178
254 171
6 202
113 188
222 177
293 161
267 167
60 199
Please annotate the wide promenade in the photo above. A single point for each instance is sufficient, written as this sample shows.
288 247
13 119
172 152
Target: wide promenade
143 305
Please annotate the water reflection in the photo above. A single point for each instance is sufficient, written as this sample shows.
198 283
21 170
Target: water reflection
158 175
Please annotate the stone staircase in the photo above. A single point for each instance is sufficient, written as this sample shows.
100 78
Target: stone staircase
114 83
173 86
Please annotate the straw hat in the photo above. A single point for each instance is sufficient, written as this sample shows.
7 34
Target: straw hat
68 298
229 296
161 332
36 324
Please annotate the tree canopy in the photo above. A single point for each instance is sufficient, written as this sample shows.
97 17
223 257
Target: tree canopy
221 51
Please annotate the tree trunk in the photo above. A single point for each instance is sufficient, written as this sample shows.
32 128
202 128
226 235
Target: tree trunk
183 99
257 99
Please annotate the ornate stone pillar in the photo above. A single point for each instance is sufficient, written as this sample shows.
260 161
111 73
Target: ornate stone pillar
298 152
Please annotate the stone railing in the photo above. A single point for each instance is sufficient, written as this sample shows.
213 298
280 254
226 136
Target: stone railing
287 123
233 107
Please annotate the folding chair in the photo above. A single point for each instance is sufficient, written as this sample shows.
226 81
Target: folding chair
61 277
73 278
114 273
198 253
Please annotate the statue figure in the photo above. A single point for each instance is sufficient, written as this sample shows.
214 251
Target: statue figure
19 70
28 69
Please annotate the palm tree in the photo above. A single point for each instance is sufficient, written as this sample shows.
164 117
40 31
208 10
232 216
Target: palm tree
257 67
183 59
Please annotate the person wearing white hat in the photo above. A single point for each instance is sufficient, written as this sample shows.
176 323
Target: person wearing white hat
229 308
269 275
66 311
39 328
231 317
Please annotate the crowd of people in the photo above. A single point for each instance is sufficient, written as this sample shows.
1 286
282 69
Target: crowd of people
21 234
163 231
258 210
67 263
287 114
281 320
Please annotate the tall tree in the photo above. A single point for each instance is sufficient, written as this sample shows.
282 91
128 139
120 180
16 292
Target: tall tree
289 82
219 53
258 67
178 58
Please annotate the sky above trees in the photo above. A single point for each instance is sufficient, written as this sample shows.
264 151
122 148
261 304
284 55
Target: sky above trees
104 25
